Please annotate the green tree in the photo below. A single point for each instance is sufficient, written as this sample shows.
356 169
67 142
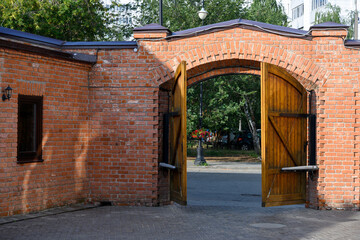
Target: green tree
227 99
267 11
332 13
182 14
70 20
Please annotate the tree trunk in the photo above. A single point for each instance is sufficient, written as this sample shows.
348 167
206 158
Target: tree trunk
252 125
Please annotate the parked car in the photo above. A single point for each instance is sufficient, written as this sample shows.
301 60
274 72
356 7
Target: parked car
223 141
243 140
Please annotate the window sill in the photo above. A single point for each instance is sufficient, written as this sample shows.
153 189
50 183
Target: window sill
29 161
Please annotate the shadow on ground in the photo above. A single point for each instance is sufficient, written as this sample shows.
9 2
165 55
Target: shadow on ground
222 205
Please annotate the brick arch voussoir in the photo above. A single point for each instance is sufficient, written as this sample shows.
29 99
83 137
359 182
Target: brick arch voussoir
309 74
221 72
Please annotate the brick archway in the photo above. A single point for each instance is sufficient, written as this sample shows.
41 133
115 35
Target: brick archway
207 58
245 58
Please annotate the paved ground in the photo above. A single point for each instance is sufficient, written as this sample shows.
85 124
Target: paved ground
213 212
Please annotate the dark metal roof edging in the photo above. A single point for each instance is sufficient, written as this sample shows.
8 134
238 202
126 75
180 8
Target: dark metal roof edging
100 45
152 27
29 37
259 26
352 43
55 43
80 57
46 46
329 25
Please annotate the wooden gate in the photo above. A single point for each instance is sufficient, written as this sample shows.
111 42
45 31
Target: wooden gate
283 137
178 136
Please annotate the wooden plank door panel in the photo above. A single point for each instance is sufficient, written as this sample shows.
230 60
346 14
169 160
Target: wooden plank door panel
178 146
284 132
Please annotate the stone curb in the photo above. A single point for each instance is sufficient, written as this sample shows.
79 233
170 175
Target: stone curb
48 212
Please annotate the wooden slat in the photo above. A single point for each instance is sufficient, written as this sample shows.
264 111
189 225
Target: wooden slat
264 129
282 203
288 114
285 197
281 73
283 140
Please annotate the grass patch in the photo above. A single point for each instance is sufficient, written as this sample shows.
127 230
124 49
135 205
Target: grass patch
204 164
211 152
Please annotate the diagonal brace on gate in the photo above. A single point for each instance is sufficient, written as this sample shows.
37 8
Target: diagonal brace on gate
283 140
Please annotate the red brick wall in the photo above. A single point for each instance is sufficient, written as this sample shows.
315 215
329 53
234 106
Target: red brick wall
123 165
123 159
103 143
62 177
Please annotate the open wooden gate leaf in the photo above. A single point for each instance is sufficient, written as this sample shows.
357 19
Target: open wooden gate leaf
178 136
283 137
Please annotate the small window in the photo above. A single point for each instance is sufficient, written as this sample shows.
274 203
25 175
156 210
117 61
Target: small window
298 11
30 129
318 3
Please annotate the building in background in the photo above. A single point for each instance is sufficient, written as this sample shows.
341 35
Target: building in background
124 9
302 12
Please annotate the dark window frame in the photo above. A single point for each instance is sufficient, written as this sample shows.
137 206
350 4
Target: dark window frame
34 156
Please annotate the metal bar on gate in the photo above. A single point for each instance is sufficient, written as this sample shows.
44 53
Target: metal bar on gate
166 138
169 166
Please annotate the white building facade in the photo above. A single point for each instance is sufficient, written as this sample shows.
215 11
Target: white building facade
302 12
126 14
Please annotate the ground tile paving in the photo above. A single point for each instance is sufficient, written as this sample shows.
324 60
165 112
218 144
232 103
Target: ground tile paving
191 222
222 204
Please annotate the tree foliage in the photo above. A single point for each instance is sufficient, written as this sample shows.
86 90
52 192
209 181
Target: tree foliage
70 20
267 11
332 13
182 14
226 99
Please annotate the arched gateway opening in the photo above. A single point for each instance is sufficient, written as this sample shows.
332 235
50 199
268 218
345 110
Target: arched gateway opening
319 60
287 61
284 117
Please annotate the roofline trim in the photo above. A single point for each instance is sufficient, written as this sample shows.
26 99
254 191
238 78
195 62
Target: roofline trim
100 45
352 44
48 52
29 40
215 27
59 44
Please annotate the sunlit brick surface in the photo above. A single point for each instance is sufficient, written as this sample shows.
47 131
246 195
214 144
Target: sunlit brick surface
102 137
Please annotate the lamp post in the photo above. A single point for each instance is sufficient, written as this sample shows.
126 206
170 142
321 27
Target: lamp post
160 12
356 23
200 160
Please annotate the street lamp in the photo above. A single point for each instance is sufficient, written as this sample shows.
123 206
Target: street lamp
202 14
200 160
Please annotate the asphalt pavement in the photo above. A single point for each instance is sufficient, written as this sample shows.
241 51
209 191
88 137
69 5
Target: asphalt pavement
224 202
